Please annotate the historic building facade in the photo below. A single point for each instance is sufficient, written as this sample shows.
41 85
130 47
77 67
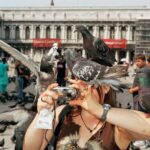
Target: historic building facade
19 26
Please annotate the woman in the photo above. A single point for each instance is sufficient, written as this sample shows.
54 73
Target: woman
89 132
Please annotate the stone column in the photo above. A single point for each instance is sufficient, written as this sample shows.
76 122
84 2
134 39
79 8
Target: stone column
106 32
117 55
128 56
96 32
12 32
128 35
63 32
43 31
53 29
32 32
117 32
3 32
74 34
22 32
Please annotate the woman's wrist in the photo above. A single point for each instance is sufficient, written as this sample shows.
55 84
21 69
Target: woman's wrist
98 111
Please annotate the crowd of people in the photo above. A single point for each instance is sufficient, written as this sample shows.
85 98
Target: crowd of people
13 70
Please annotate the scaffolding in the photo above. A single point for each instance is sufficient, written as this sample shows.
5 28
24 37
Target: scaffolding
142 45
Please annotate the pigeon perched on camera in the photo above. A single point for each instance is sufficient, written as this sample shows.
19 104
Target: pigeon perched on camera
96 48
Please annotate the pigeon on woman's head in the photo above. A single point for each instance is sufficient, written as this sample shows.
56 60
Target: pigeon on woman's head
96 48
94 73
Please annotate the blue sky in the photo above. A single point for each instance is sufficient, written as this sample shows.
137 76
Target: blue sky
45 3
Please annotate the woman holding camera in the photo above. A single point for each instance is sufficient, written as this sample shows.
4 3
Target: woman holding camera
93 124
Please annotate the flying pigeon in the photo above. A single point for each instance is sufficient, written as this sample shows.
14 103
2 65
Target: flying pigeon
95 48
44 76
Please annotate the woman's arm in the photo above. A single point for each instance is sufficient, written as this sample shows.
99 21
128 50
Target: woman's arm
133 121
34 137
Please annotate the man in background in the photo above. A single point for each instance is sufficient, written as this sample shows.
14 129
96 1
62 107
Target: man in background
61 71
142 84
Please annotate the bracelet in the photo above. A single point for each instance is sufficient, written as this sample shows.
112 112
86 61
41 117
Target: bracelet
106 108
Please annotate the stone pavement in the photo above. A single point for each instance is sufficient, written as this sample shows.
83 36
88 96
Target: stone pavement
9 131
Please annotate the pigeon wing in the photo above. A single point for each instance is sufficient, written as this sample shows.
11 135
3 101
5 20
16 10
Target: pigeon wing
25 60
104 53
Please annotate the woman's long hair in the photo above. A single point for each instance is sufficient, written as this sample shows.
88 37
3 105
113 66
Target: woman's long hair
110 98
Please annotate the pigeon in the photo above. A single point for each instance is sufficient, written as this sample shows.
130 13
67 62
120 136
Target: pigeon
96 48
48 60
3 129
2 143
44 76
22 118
94 73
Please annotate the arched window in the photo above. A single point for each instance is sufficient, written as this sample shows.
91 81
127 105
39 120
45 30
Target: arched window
7 33
69 33
101 32
37 32
112 32
123 33
133 33
17 33
58 32
48 32
27 33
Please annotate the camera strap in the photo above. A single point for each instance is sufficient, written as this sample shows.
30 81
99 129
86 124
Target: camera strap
66 110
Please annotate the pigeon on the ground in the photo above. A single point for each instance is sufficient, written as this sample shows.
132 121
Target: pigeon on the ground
20 117
3 129
96 48
2 143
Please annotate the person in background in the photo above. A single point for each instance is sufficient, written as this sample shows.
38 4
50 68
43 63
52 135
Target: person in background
142 83
61 71
148 61
23 75
3 78
141 90
12 68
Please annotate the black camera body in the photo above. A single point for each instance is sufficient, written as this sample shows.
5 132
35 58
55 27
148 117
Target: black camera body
65 94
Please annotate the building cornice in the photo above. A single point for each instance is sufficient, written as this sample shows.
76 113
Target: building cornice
74 8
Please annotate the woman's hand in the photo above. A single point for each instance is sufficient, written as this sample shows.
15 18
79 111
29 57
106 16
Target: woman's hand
88 99
47 98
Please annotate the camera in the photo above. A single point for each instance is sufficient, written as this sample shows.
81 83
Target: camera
65 94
